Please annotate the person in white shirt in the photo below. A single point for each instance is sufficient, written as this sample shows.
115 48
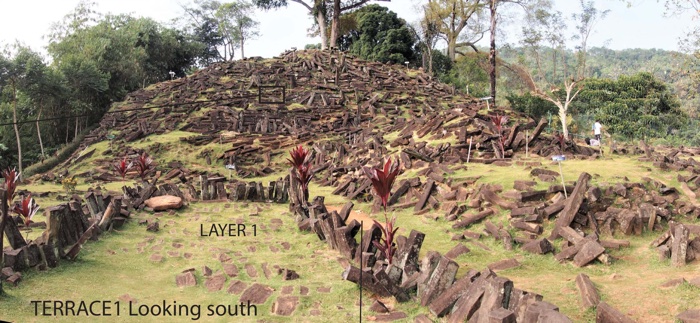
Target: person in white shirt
597 128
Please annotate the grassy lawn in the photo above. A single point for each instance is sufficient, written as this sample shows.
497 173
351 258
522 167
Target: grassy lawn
126 261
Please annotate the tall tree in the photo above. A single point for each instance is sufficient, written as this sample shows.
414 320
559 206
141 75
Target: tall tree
338 8
380 35
321 10
237 17
585 22
233 21
426 33
21 72
493 14
453 18
543 25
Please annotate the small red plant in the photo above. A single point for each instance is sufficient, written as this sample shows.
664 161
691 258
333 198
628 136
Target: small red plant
11 177
122 167
27 208
301 161
499 121
386 244
144 164
382 181
562 140
299 156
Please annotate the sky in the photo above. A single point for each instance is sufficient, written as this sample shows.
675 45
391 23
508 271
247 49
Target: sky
642 25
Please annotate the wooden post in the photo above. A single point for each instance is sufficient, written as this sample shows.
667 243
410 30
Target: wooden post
562 180
527 143
469 152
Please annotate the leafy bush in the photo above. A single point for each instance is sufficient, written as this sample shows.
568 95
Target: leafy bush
69 184
533 106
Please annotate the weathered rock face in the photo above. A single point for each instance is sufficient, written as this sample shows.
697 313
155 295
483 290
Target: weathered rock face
163 203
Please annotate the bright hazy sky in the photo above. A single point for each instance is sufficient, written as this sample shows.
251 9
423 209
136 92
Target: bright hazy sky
641 26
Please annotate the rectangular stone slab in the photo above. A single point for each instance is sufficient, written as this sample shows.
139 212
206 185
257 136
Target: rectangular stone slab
443 303
573 203
588 292
590 251
441 278
606 313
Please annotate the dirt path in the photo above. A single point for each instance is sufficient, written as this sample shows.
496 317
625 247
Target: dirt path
360 216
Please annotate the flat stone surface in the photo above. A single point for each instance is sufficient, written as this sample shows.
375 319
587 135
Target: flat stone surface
689 316
156 257
673 282
323 289
422 318
215 282
257 294
504 264
186 279
236 287
378 307
303 290
695 281
224 258
251 271
286 290
266 271
231 270
390 317
285 305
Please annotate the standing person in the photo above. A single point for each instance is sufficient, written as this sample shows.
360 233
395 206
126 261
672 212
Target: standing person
597 129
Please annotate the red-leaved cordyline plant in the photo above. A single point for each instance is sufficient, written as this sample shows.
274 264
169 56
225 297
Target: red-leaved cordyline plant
382 181
144 164
301 161
27 208
122 167
299 156
562 140
11 177
499 121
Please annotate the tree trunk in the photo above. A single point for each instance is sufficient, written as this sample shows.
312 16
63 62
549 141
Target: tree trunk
14 120
67 129
38 133
335 24
430 61
492 52
562 117
242 48
554 65
451 50
3 218
321 20
76 129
